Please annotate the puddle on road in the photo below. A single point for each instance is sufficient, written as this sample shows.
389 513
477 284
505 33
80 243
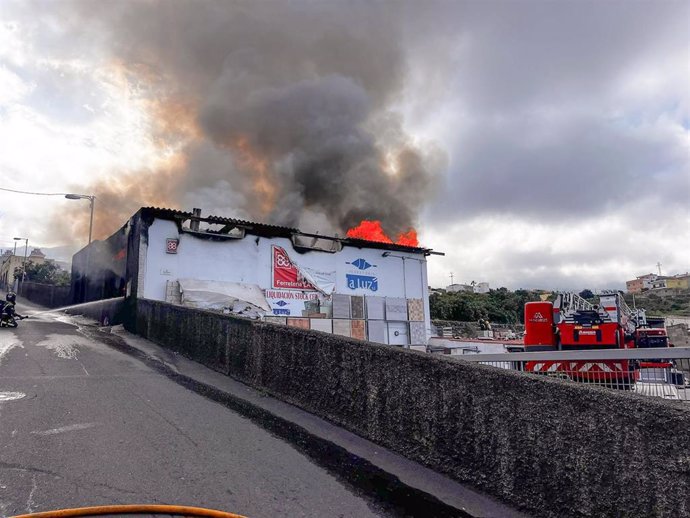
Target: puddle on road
64 346
11 396
63 429
8 341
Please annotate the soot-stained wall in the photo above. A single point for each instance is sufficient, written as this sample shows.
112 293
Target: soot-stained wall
552 447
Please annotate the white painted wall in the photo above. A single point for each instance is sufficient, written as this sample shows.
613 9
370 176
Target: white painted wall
481 287
249 260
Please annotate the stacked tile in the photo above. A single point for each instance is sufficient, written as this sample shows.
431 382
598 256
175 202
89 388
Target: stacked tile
415 308
327 308
298 322
357 307
396 309
341 306
322 324
358 329
375 308
417 333
377 331
276 320
398 333
342 327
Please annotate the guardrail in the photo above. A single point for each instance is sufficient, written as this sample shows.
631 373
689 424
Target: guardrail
661 373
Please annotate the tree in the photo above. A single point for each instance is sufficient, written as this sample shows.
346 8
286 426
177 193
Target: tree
47 272
499 306
586 294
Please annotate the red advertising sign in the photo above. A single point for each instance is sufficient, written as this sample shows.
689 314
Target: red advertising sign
286 276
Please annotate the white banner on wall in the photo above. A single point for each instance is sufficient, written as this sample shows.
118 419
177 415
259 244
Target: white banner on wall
291 303
207 294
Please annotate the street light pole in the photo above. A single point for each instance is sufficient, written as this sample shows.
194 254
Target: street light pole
26 251
92 200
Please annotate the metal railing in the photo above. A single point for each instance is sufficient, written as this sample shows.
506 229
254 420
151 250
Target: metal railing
660 372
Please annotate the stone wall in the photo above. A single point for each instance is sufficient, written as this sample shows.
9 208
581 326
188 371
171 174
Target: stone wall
547 446
678 335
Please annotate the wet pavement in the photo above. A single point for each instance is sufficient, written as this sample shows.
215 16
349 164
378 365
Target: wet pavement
83 424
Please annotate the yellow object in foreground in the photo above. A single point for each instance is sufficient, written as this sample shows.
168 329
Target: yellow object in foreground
179 510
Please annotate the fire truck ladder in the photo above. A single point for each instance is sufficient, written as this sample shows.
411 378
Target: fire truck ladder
567 303
573 302
628 318
631 318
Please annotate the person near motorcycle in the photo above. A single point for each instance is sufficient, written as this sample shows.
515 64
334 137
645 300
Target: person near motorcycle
7 309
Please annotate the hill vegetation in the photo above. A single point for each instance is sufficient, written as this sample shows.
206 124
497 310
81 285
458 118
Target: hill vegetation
670 304
499 306
502 306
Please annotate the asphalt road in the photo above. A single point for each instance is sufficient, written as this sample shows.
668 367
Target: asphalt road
84 424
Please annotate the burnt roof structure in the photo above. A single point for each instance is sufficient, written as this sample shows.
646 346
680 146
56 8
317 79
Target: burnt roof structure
229 227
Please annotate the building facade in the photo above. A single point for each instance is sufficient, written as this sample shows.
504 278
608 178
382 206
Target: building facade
656 282
9 263
454 288
641 283
475 287
679 282
481 287
351 287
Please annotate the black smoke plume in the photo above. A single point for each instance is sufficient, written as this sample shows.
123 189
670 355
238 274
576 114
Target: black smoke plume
293 105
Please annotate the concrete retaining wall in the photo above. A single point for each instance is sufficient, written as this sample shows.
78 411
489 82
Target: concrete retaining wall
551 447
45 294
107 312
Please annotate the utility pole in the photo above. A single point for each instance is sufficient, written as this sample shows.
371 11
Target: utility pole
451 278
658 265
92 200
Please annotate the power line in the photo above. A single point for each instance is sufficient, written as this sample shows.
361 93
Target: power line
35 193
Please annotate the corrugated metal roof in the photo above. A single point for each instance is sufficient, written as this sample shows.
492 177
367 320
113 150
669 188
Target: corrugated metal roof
276 230
242 222
163 212
363 243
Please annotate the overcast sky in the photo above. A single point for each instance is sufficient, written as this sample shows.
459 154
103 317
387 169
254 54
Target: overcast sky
537 144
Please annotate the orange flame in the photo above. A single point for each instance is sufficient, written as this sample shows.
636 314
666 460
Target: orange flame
264 188
373 231
408 238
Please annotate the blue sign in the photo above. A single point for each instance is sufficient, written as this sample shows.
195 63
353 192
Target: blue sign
361 264
281 312
281 303
362 282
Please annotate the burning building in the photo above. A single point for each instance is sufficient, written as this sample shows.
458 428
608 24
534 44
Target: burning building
370 290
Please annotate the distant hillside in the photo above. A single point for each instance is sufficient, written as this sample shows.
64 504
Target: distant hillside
61 254
673 304
507 307
499 306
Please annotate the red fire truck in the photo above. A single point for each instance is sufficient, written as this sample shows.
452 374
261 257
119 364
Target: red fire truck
572 323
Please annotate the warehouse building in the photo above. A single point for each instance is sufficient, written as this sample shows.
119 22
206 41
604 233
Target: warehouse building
366 290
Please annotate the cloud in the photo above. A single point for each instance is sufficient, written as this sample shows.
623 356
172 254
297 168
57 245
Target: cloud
561 128
596 253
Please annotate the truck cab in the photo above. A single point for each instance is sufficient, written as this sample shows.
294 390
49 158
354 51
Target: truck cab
651 338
